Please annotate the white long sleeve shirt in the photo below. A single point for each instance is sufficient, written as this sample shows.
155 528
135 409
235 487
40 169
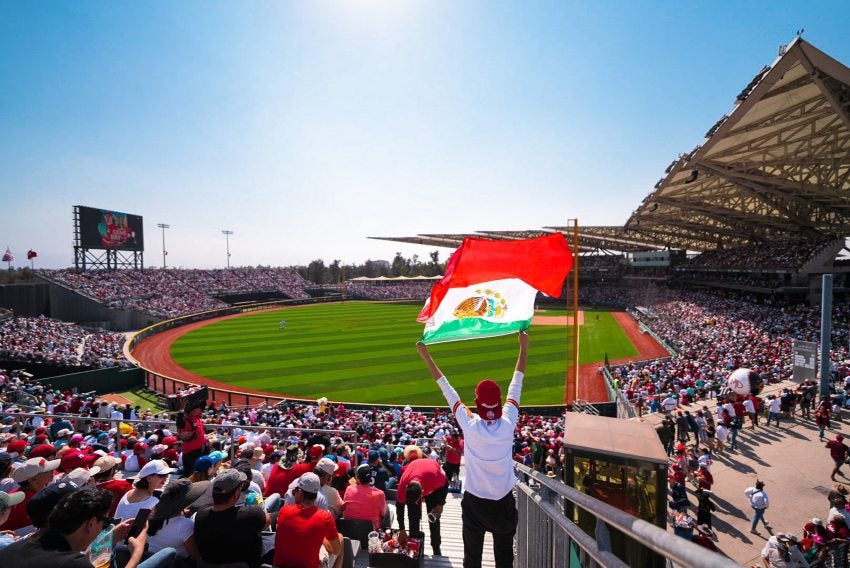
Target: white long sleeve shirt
487 447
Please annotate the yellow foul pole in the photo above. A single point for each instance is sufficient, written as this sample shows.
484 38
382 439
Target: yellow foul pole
572 375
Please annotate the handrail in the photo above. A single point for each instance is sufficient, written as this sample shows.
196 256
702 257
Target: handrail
677 550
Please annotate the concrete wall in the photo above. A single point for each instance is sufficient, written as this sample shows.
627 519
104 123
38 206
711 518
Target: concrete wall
28 299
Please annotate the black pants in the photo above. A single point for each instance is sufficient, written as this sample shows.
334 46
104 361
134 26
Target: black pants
486 515
414 515
451 469
189 459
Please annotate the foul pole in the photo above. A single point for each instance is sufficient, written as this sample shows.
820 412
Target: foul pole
571 394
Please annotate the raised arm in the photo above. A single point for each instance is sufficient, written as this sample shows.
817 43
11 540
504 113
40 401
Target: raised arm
429 361
523 352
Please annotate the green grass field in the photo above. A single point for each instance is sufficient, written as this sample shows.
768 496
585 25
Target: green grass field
364 352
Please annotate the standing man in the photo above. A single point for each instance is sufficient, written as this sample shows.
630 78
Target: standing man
759 503
838 451
488 503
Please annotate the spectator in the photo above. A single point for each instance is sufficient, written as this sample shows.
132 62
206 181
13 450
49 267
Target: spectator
362 501
306 535
225 533
151 478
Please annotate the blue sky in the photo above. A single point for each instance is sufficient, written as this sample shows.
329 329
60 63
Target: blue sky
307 126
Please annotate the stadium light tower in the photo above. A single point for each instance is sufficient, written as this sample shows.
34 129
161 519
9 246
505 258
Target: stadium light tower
227 234
163 226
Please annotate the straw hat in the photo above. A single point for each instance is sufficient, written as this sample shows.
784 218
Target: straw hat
413 452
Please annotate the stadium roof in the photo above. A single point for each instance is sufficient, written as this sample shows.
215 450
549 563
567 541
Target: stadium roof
776 166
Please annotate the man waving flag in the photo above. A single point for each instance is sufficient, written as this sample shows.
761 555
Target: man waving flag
490 286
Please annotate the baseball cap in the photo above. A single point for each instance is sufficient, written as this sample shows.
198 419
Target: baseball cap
80 476
488 400
158 467
364 473
326 466
16 447
203 463
374 455
42 451
105 463
228 480
309 483
316 451
43 502
8 500
33 467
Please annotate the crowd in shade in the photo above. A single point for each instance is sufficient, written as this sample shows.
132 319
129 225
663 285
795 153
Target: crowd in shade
175 292
777 254
712 334
44 341
400 291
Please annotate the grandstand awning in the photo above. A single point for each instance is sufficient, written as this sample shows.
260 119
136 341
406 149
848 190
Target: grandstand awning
385 279
776 166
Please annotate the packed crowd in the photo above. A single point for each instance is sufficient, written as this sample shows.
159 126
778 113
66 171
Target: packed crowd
347 468
42 340
778 254
175 292
402 291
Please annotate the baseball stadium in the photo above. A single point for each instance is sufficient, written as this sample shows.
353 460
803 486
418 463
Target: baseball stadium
735 259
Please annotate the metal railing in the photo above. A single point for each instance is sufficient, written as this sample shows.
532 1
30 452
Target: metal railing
546 537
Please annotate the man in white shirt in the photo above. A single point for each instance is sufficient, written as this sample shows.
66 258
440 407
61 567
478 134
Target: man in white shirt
488 503
773 409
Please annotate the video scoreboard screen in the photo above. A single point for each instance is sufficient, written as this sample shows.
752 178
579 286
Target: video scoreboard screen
102 228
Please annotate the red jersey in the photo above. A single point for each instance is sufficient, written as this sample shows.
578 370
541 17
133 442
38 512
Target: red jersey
18 517
280 478
427 472
118 487
300 534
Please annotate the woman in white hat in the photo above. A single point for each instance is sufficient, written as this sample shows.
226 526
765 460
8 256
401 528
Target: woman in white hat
151 478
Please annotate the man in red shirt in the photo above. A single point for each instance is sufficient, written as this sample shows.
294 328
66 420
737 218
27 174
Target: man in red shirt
306 533
285 471
454 452
191 432
422 479
838 452
32 476
106 479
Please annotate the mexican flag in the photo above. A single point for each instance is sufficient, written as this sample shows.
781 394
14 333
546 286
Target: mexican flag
490 286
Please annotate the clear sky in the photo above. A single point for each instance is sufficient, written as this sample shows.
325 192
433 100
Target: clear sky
306 126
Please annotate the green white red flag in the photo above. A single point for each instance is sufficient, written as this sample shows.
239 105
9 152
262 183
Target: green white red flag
490 287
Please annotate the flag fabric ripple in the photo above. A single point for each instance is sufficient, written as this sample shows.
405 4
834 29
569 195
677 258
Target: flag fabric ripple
490 287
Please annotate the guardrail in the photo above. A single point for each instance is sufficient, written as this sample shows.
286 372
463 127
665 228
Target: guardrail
546 537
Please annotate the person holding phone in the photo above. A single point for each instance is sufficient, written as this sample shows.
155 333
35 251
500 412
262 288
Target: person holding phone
75 522
488 503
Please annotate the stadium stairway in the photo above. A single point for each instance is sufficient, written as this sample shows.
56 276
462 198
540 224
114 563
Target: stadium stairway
452 546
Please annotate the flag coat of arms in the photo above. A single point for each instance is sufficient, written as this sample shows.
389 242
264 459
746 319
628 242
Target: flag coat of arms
490 287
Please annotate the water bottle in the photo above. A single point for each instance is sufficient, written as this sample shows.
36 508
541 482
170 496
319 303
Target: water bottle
374 542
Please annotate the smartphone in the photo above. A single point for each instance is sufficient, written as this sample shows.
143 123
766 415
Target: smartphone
138 524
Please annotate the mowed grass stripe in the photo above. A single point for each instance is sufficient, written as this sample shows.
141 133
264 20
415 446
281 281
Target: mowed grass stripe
364 352
302 359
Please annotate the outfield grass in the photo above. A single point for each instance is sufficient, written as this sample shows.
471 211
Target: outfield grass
364 352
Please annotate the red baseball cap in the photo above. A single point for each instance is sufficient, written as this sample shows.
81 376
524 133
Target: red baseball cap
488 400
42 451
17 447
317 451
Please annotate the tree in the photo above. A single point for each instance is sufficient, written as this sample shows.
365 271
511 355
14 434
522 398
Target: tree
316 271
